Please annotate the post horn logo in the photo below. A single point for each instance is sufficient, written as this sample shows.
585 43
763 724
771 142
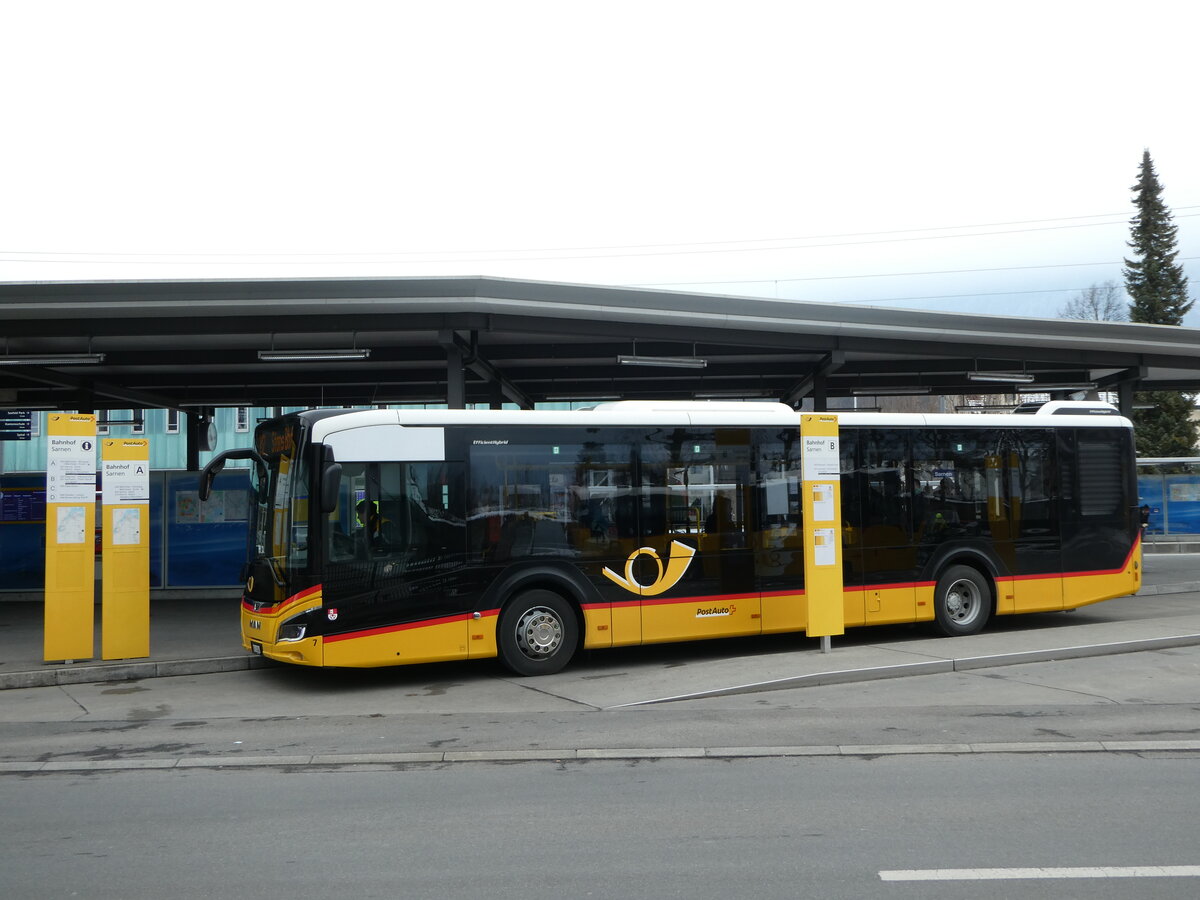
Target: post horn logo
681 558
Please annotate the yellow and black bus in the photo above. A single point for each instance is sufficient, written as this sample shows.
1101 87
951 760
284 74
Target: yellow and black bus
384 537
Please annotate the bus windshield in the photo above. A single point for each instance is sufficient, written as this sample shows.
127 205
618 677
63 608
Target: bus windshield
280 530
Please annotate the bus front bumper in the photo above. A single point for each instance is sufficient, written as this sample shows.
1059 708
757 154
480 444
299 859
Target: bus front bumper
307 652
260 634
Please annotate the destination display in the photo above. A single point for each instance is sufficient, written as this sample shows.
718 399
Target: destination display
16 424
22 506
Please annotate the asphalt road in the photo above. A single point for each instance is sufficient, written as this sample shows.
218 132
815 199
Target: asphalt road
286 711
778 828
276 786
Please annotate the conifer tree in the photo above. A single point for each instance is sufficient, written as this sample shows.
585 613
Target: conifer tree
1156 285
1158 292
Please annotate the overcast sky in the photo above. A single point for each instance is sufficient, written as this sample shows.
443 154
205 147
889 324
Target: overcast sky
969 156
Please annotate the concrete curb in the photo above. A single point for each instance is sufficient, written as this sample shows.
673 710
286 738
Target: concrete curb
390 761
1183 588
936 667
95 673
1152 546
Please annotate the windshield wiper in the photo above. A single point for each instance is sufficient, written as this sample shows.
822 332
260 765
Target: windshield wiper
274 568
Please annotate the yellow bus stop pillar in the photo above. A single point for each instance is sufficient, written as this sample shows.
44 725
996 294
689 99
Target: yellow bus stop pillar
822 494
125 562
70 616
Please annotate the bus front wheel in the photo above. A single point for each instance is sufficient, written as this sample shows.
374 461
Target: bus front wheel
962 602
538 632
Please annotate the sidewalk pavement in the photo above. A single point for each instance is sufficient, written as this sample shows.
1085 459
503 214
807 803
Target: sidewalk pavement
200 635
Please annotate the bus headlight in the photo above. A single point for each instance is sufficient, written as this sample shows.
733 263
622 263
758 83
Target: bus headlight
291 631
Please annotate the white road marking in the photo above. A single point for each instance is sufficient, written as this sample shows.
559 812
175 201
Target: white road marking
1040 873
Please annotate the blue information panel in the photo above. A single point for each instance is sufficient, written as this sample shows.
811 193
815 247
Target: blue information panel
207 541
22 532
191 544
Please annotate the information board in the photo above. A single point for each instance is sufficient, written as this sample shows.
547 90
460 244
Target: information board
70 547
125 578
821 495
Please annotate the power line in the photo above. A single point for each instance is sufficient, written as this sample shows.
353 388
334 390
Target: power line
950 296
883 274
461 256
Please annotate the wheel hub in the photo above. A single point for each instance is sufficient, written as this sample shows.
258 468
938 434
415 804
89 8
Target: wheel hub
539 633
959 603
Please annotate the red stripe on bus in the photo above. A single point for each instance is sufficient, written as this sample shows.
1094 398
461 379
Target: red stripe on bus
391 629
271 610
1121 568
706 598
888 586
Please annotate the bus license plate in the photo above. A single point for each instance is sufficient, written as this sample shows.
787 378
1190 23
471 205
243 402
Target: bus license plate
256 647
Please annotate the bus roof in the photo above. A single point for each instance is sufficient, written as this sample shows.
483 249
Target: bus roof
683 413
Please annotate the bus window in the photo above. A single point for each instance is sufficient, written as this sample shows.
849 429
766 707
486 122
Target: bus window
883 488
345 522
397 511
693 482
550 498
952 468
1031 483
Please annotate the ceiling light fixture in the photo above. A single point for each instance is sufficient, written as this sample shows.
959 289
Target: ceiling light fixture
668 362
312 355
1054 388
1001 377
882 391
52 359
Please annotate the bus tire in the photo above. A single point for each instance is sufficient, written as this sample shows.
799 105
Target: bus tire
962 602
537 633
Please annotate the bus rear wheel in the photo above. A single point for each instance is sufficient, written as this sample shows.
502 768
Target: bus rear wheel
537 633
962 602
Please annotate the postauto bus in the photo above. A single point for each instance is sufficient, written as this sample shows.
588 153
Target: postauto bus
384 537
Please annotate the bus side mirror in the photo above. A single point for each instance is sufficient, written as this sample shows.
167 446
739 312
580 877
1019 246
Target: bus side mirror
331 483
217 464
209 475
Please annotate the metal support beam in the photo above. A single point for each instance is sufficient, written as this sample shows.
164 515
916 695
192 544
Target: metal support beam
1125 383
815 381
456 376
192 440
135 398
1125 398
820 393
469 358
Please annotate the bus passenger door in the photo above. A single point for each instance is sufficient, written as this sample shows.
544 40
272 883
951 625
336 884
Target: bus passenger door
878 498
695 568
1034 543
395 591
779 537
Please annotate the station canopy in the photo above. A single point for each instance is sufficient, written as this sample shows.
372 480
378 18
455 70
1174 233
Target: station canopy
197 345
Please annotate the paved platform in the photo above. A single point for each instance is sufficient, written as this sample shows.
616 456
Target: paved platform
199 635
